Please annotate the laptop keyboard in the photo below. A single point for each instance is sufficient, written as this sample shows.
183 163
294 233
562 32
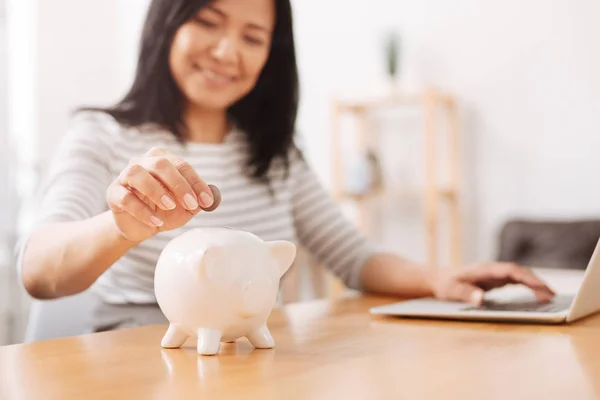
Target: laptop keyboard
559 303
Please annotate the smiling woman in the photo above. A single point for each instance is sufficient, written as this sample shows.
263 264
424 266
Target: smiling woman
214 100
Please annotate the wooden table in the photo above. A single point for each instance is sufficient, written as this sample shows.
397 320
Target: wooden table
325 350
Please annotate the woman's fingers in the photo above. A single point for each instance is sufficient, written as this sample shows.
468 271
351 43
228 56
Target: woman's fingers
202 191
166 179
501 274
137 177
162 170
120 199
204 195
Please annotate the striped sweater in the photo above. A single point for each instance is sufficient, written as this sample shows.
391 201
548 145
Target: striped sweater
96 149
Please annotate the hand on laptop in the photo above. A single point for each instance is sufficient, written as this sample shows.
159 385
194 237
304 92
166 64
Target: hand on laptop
468 284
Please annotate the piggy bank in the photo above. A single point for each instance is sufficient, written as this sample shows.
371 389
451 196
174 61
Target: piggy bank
218 285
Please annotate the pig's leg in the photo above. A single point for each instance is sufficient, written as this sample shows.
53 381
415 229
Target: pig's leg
174 337
209 341
261 338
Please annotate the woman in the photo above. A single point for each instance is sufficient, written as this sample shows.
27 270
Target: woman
214 101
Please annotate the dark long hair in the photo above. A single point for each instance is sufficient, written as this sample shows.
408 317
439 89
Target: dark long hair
267 114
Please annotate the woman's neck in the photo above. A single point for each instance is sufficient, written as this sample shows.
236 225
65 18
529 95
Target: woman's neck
206 126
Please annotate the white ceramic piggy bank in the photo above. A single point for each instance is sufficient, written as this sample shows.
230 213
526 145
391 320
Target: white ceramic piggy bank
219 284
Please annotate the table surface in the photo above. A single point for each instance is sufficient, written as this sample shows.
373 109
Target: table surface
324 350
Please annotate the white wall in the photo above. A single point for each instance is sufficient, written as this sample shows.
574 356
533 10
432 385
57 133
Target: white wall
525 73
6 217
79 60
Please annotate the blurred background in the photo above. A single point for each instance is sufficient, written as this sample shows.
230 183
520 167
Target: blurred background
450 131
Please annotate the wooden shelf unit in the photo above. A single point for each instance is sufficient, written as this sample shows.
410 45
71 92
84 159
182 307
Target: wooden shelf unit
434 193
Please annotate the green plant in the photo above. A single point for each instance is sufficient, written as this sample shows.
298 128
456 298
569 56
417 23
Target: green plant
392 55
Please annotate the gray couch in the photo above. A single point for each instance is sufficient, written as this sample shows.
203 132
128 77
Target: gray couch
548 243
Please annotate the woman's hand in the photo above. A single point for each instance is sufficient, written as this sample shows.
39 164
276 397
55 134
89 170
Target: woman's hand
469 284
158 192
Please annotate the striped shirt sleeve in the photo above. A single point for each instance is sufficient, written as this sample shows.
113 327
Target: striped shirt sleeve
323 229
75 185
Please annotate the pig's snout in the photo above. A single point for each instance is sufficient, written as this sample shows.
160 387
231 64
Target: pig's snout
257 296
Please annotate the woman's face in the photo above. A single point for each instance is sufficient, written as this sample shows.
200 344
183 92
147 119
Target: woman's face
217 56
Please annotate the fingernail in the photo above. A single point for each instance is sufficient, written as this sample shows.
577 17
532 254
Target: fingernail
168 202
477 297
156 221
206 199
190 202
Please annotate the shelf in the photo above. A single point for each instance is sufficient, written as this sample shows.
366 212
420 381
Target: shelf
437 107
393 100
445 193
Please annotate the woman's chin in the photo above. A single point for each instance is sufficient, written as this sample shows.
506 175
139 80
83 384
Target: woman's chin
210 98
209 102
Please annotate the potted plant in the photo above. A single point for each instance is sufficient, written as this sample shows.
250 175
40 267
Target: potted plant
392 58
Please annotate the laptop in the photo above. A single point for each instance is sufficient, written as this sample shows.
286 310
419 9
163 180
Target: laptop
564 307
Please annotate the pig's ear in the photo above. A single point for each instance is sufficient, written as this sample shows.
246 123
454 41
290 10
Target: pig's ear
284 253
208 264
